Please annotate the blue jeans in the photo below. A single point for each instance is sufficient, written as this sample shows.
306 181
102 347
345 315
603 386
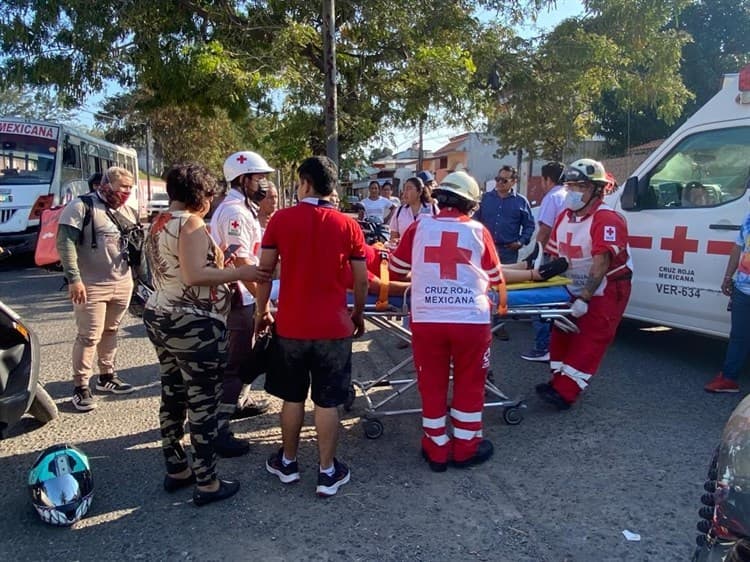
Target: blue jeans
506 254
739 337
541 333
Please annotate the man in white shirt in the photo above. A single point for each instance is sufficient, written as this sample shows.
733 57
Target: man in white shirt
375 205
553 203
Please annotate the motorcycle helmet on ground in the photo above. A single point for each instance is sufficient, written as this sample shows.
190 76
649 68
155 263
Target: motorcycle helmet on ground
61 485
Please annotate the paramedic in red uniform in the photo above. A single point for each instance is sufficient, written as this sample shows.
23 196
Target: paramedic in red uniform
452 260
593 238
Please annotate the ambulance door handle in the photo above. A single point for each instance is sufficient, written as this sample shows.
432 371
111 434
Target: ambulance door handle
724 226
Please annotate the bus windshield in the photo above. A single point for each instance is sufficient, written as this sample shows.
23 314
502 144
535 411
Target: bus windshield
26 159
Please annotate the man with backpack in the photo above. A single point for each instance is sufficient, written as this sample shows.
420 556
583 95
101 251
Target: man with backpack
94 255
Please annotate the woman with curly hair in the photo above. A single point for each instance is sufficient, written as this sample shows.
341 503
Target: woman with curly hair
186 321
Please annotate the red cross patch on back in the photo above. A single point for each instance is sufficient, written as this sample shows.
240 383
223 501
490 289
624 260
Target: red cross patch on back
448 255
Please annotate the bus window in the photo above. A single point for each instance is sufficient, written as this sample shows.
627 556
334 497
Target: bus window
26 159
72 156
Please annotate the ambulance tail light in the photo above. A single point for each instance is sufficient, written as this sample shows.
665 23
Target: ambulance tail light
744 96
42 202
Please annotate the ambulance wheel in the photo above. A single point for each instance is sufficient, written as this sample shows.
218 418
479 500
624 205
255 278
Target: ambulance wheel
349 401
373 428
513 416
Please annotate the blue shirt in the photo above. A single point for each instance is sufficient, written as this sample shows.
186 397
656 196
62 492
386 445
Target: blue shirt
742 277
508 219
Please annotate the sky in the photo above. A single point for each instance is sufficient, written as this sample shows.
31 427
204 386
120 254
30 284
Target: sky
402 139
547 20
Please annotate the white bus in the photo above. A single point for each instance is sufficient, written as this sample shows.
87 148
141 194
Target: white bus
45 164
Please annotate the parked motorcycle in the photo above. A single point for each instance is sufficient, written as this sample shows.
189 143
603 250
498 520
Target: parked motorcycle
20 389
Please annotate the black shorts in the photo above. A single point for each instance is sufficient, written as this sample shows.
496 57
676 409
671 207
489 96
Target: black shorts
326 365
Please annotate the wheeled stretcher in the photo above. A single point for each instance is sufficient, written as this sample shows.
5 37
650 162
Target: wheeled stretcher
548 300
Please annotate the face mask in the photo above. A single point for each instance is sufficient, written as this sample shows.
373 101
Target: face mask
113 199
574 200
259 195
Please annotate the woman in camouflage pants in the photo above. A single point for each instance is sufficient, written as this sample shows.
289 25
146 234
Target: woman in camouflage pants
186 321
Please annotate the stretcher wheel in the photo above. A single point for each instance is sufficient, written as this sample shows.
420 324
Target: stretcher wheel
373 428
349 401
513 416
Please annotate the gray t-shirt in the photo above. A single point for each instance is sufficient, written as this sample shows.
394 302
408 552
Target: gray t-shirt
106 263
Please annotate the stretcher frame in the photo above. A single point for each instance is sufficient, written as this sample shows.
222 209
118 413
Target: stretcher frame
389 319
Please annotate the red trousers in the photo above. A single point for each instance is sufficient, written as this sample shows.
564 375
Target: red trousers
467 346
574 358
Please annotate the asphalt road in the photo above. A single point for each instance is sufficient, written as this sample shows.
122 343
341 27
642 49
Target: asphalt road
561 486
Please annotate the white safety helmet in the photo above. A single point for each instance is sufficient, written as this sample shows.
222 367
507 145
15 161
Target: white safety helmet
462 184
245 162
586 169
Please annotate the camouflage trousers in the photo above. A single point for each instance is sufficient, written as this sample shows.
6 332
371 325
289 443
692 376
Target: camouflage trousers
192 356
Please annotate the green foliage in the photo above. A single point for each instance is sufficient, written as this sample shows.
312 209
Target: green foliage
33 104
397 59
624 48
719 44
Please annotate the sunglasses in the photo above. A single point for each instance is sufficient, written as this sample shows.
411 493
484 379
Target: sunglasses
502 181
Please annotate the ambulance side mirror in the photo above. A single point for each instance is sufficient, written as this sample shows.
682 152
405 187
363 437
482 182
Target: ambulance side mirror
629 197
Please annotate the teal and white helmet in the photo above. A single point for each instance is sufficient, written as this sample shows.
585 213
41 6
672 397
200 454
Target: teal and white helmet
61 485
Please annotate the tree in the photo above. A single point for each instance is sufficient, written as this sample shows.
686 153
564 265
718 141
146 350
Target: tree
32 104
181 133
378 153
396 59
719 44
548 89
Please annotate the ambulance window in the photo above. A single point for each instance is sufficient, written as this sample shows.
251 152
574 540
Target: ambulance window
704 170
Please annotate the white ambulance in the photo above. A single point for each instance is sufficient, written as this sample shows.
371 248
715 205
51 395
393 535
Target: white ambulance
684 206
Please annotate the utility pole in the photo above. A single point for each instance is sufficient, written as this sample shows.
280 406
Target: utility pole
148 159
420 154
329 54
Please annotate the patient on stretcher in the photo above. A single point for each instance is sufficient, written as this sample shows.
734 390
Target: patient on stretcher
386 288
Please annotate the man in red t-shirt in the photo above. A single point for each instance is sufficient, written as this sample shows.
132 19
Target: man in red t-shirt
594 240
316 244
452 260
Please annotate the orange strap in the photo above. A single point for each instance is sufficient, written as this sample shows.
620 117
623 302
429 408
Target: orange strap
382 303
502 302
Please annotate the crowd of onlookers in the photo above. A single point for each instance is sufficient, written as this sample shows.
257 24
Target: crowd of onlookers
229 273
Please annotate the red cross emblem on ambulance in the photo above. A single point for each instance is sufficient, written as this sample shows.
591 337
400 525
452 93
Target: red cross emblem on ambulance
679 244
448 255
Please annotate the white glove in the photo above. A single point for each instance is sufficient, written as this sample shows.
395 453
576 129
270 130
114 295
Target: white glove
579 308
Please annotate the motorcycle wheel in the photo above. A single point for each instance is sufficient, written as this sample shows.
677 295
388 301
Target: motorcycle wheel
43 408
